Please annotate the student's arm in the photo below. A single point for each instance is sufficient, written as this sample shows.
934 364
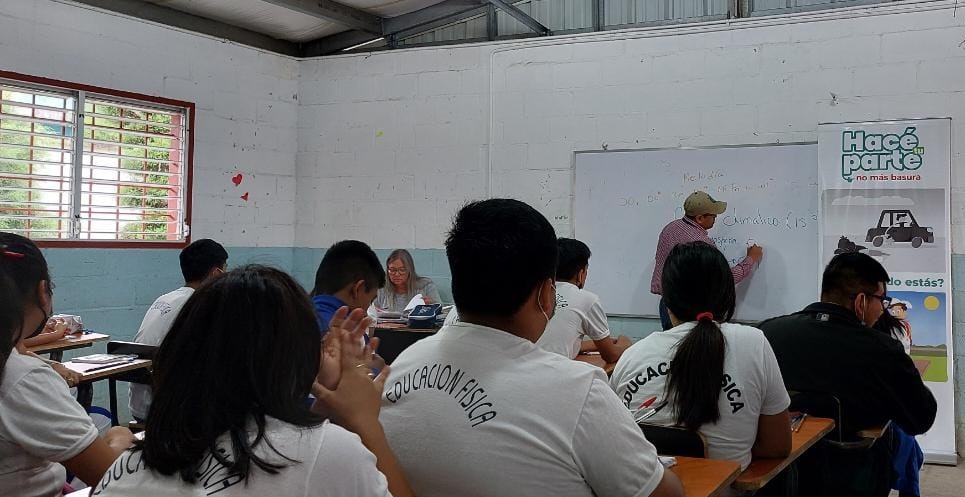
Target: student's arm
669 486
612 348
44 338
773 436
773 425
54 330
909 403
355 406
91 464
43 419
611 452
430 293
373 437
596 327
356 400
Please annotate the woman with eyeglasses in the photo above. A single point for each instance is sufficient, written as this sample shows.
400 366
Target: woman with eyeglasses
42 428
707 374
404 284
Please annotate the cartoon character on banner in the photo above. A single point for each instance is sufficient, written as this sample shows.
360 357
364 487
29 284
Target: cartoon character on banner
899 309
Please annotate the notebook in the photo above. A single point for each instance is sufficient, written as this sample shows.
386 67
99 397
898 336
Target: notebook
104 358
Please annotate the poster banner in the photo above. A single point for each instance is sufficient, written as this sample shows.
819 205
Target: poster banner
885 192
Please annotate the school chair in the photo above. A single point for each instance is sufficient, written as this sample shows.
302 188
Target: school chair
829 406
675 441
853 462
139 376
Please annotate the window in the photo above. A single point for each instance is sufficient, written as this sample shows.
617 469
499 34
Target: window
115 173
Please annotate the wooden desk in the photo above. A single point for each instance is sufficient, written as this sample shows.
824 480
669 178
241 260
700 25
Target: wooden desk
761 471
598 361
705 477
397 337
56 349
108 373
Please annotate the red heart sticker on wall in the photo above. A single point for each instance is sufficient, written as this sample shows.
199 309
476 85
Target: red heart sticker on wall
245 197
236 179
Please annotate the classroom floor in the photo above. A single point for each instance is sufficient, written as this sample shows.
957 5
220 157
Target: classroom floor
941 481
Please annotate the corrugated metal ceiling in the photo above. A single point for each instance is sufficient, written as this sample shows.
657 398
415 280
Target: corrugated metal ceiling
282 23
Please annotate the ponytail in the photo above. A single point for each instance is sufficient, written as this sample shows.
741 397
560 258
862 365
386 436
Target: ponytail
696 373
697 286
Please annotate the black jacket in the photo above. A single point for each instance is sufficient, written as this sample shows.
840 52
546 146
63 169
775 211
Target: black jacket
825 348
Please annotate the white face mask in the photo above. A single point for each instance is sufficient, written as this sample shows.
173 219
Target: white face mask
539 301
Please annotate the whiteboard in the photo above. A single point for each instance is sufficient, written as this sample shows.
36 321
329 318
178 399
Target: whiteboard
624 198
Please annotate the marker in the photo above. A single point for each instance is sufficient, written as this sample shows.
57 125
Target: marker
648 402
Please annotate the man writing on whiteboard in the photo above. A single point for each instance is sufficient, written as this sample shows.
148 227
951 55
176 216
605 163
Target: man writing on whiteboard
700 214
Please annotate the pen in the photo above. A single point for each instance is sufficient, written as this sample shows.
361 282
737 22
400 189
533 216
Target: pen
796 423
648 413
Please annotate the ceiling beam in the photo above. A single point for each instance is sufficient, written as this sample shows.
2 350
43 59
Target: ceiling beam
431 16
521 16
402 26
190 22
334 12
336 43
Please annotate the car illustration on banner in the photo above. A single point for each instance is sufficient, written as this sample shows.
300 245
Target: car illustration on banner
900 226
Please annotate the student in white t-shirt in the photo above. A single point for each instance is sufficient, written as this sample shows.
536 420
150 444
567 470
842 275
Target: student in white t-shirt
234 422
479 410
43 430
578 311
706 374
201 260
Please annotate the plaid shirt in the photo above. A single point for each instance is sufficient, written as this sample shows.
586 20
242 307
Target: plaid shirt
685 230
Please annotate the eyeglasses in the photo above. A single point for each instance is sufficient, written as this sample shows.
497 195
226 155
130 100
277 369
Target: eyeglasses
885 300
398 270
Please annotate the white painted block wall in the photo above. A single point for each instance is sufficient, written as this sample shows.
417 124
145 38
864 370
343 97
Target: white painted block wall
386 146
391 144
246 104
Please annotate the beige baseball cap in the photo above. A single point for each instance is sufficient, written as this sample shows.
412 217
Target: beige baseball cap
698 203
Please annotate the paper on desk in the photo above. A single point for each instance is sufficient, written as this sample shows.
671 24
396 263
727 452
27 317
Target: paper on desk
417 300
83 367
667 461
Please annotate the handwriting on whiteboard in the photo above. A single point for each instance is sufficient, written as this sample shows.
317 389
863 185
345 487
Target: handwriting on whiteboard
785 220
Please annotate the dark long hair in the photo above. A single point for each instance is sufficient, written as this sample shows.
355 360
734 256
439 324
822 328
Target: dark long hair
22 268
244 347
11 319
696 280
